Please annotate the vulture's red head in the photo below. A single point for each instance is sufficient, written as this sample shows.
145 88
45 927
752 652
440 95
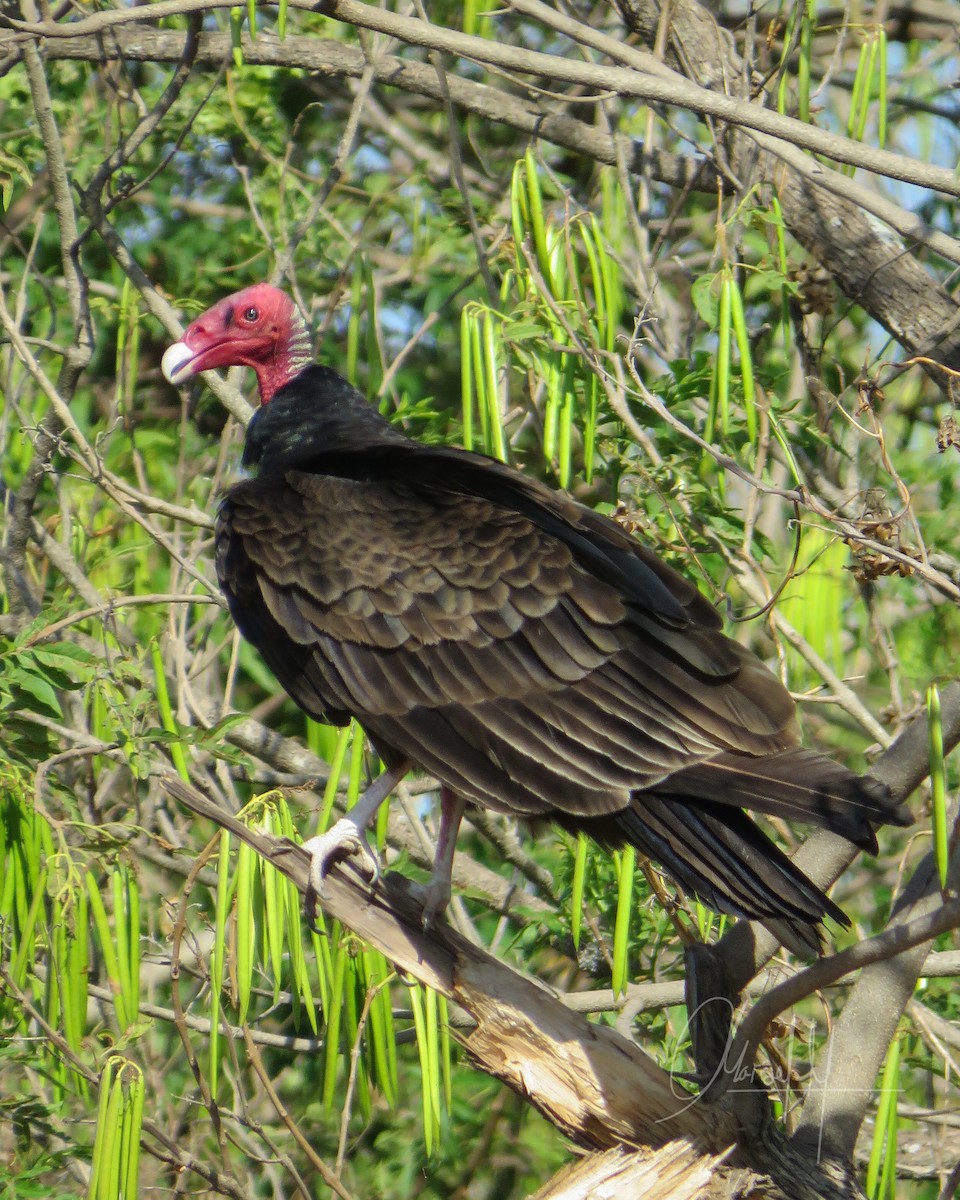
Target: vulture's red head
259 327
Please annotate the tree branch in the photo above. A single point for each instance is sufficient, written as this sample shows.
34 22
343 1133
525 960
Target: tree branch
837 1100
893 942
602 1091
76 357
333 60
869 265
721 972
601 77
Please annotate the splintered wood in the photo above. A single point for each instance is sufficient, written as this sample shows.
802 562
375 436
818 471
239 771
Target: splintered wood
677 1171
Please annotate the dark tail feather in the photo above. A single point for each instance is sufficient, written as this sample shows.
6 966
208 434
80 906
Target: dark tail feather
694 827
799 785
725 860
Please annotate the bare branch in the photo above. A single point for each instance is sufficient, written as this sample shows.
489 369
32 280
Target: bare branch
717 975
837 1101
888 945
332 59
604 78
871 266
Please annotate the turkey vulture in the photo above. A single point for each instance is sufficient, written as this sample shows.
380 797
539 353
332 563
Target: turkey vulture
525 650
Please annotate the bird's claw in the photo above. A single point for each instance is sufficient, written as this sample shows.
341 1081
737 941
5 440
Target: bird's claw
342 840
435 898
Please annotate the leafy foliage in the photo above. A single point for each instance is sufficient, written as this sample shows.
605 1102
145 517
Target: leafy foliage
676 355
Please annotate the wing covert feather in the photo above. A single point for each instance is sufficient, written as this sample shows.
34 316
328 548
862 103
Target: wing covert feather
499 661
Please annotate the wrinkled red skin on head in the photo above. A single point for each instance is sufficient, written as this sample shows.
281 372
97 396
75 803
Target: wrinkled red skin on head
252 328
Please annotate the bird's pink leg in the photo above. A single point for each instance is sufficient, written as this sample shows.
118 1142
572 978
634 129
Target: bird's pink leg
436 895
346 837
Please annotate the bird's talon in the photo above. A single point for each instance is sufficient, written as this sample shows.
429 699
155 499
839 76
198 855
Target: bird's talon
371 865
343 840
435 898
311 909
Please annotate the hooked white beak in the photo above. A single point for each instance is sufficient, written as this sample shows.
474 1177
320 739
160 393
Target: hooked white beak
176 359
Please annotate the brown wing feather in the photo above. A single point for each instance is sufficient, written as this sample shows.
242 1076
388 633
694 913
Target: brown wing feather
380 602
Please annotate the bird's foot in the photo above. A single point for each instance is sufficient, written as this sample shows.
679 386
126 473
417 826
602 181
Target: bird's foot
435 898
342 840
435 895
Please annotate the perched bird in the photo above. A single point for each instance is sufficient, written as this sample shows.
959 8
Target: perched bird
526 651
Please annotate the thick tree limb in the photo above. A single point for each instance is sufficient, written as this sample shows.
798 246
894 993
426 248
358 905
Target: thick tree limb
676 1171
602 1091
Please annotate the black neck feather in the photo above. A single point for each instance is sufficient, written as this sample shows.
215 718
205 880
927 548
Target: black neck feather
315 416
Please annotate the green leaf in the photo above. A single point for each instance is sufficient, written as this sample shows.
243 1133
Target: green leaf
39 688
706 299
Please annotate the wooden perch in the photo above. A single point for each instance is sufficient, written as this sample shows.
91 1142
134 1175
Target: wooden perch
592 1083
676 1171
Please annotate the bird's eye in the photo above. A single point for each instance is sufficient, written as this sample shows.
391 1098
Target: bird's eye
251 314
